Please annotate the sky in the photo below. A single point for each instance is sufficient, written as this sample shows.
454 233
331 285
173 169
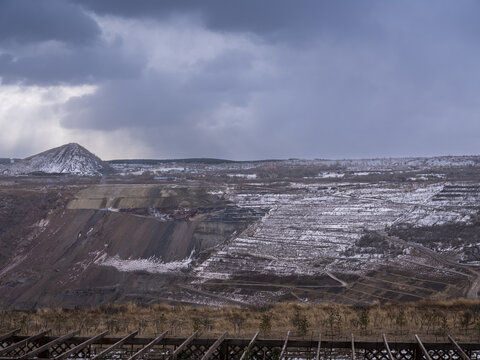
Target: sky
240 80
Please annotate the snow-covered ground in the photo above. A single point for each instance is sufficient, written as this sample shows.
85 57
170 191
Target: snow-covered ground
404 163
310 226
326 168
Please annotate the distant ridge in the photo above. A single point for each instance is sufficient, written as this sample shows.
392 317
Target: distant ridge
6 161
66 159
185 161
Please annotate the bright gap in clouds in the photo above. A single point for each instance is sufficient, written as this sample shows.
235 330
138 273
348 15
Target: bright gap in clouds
203 81
30 123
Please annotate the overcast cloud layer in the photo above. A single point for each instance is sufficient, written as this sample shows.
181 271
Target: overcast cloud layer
240 79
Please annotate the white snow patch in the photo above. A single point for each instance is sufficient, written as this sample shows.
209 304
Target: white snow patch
42 224
110 209
245 176
328 175
152 265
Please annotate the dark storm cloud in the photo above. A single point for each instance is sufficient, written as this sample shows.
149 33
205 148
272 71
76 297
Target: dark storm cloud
274 19
31 21
161 100
70 65
403 91
56 42
289 79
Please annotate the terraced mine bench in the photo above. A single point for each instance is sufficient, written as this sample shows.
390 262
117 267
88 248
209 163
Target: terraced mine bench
71 346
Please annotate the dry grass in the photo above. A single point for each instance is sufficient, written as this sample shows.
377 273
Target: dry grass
432 320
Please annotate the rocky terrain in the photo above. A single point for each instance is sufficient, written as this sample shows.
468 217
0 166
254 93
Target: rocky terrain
209 231
66 159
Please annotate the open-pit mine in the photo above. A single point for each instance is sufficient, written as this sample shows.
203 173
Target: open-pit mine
205 231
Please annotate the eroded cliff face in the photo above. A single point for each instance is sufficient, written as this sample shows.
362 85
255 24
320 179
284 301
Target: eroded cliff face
102 243
23 215
246 233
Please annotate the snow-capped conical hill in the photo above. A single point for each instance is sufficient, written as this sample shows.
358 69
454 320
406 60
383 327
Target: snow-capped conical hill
67 159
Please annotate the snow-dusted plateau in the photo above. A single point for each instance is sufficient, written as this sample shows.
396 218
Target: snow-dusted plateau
76 231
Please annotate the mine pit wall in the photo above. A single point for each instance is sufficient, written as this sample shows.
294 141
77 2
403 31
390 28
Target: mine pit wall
61 267
138 196
175 237
135 237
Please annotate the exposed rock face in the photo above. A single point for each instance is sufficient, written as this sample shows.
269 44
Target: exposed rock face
107 242
67 159
244 233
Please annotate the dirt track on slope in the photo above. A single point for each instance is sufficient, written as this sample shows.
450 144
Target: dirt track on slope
472 292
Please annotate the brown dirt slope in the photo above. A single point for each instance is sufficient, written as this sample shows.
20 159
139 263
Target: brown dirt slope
56 258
